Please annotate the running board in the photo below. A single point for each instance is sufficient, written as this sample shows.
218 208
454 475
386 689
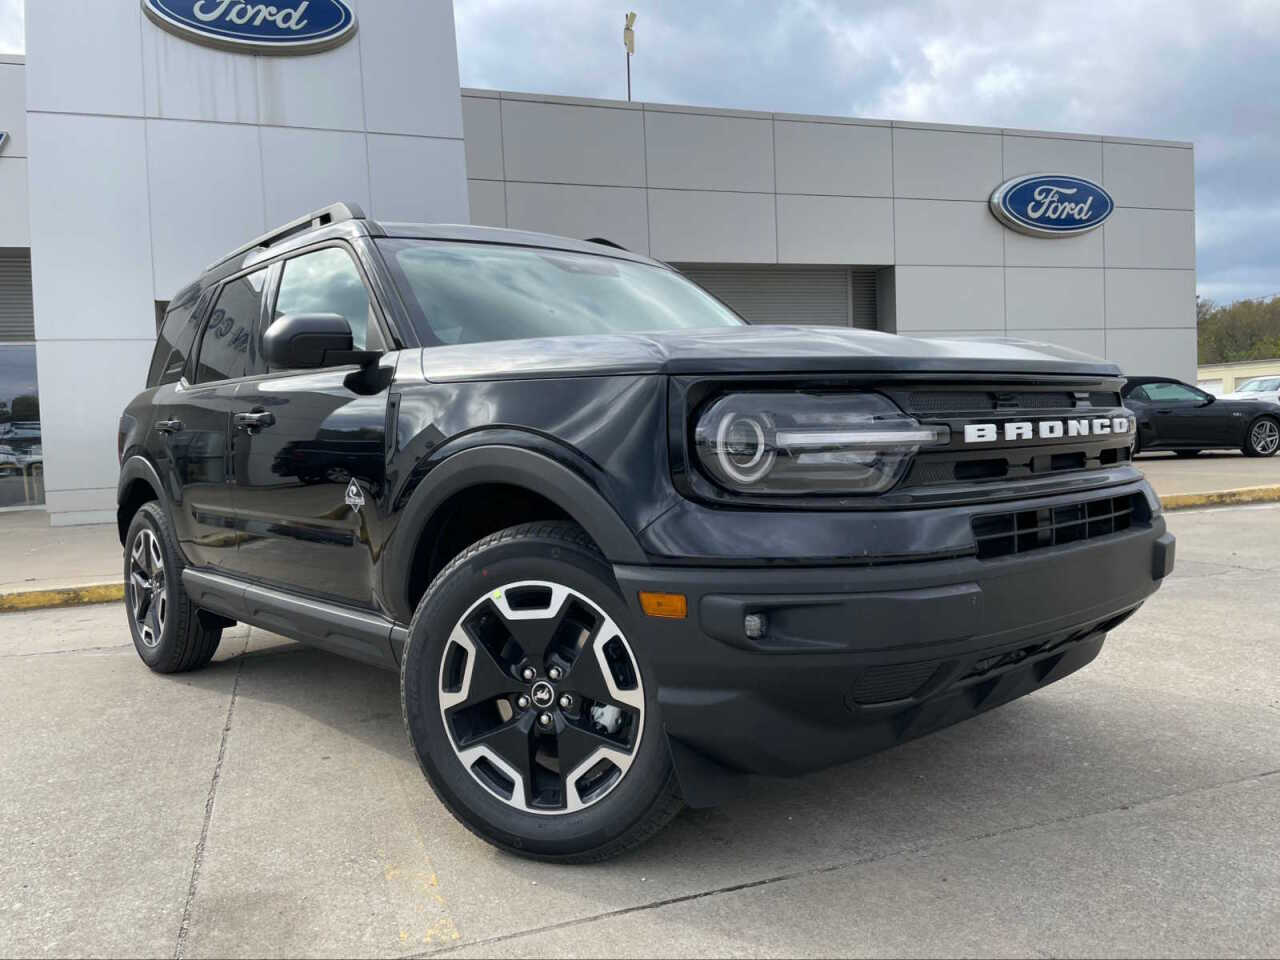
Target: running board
357 634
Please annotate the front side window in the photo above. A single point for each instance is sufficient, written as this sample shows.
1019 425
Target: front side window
478 292
224 348
326 281
1173 393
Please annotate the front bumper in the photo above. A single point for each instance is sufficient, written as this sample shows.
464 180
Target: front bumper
857 659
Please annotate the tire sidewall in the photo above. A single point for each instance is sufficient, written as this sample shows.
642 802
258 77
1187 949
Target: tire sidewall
526 558
150 518
1249 447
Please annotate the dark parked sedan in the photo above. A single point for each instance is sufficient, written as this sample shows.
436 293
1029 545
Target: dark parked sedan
1173 415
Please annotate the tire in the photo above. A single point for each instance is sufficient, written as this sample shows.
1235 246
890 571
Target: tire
1262 438
491 762
1187 453
171 635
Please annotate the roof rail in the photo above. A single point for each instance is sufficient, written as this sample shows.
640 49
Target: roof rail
334 213
607 243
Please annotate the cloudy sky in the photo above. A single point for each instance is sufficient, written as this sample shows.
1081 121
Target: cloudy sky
1205 71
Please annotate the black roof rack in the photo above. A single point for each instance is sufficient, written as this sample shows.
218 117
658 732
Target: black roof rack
334 213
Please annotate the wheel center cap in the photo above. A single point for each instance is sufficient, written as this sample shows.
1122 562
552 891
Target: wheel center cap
542 693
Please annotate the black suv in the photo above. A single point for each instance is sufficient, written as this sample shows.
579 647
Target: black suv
622 547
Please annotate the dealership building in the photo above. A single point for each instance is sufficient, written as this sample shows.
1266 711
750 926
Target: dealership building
142 147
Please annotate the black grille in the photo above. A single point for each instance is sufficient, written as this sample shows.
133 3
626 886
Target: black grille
966 401
1004 534
1101 399
892 682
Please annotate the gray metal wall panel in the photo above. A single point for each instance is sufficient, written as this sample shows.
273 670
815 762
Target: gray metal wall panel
819 296
17 318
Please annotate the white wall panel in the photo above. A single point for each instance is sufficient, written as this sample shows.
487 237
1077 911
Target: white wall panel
84 384
13 108
1050 298
947 232
838 159
488 203
187 81
846 230
1082 250
696 152
945 165
89 229
1151 298
308 169
322 90
561 143
698 226
14 221
85 56
1137 175
418 179
1024 155
1151 238
410 64
615 213
482 121
1167 353
950 298
206 196
1092 342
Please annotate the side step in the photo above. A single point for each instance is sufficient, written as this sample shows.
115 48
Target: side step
347 632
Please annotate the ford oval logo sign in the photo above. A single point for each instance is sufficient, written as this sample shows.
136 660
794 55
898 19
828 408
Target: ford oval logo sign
282 27
1046 205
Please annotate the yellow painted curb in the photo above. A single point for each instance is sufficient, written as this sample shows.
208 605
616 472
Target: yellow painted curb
1221 498
61 597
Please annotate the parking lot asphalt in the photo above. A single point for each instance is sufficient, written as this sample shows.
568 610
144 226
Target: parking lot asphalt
270 806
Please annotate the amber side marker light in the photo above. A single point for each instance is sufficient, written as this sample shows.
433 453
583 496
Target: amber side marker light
670 606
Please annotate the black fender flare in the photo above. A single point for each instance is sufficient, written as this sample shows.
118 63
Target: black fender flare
134 468
505 464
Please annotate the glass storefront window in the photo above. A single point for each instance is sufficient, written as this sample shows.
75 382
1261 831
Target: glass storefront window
21 456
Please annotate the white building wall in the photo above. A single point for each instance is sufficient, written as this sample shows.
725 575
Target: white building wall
14 231
151 156
723 186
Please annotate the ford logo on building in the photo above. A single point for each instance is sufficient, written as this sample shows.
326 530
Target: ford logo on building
282 27
1046 205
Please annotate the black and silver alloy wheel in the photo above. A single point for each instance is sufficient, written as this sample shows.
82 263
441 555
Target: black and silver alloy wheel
528 701
148 597
1264 438
541 697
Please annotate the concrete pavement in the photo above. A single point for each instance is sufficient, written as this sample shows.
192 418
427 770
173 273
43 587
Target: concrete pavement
270 806
1172 475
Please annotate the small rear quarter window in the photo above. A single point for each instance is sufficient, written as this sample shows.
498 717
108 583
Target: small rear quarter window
173 343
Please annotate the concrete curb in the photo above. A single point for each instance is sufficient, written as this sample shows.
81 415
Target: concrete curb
1221 498
114 592
17 600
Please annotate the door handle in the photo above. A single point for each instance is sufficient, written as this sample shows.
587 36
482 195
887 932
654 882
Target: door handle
168 426
255 420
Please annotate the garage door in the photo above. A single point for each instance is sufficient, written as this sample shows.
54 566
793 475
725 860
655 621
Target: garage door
17 319
825 296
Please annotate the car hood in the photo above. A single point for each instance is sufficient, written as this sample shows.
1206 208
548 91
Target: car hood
760 349
1267 396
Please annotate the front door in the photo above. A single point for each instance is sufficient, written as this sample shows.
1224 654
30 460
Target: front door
311 474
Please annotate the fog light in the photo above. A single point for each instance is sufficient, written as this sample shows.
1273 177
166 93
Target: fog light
754 625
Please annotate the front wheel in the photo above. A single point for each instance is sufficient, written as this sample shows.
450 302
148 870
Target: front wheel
527 703
1263 439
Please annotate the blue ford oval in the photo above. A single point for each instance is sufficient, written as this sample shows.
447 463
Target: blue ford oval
282 27
1051 204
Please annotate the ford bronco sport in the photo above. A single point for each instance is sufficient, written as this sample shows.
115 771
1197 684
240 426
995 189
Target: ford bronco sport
622 547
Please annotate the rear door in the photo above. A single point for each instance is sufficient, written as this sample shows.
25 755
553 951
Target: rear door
310 477
195 422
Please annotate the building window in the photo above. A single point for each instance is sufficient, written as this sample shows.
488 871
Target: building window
21 455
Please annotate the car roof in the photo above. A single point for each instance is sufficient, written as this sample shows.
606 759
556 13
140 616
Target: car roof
521 238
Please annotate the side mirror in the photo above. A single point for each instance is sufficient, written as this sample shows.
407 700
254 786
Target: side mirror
1209 398
304 341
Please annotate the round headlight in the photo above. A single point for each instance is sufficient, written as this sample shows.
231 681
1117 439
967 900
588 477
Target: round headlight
743 448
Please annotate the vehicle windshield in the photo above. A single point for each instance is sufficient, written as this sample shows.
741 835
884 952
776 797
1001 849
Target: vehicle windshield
478 292
1260 385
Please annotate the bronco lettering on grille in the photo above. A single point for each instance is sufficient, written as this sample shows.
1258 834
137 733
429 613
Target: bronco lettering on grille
1015 430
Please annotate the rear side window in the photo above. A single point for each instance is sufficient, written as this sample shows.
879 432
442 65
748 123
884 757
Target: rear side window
173 343
224 348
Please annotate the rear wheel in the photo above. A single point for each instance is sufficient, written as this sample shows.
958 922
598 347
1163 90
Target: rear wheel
1263 439
526 702
169 633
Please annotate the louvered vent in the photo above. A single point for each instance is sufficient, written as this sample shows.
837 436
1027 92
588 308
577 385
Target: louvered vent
817 296
17 317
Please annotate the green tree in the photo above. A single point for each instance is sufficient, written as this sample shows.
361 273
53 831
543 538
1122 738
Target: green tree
1244 330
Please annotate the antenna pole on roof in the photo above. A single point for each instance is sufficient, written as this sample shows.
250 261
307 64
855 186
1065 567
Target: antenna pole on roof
629 41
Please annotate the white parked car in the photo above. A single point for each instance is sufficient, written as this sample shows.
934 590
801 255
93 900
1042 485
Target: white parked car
1259 388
